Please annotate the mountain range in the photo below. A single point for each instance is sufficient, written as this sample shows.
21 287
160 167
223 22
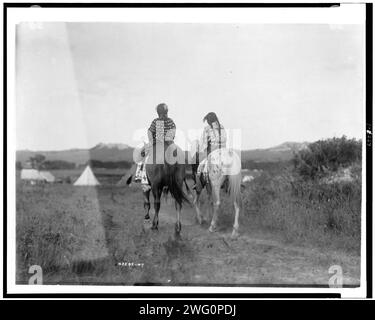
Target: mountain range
122 152
282 152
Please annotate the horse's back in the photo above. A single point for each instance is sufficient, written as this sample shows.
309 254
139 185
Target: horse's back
165 162
224 161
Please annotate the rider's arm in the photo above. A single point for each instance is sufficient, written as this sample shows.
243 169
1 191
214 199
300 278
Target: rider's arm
203 141
171 132
151 131
150 136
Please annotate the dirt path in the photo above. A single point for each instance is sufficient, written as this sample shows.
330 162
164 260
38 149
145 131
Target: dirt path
102 230
202 257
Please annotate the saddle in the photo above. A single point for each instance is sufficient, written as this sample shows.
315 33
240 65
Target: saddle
147 155
221 162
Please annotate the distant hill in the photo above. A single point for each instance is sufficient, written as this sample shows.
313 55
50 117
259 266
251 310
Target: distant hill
123 152
282 152
102 152
112 152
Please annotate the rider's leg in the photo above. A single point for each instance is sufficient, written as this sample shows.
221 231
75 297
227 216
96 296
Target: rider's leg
141 164
131 174
201 175
138 172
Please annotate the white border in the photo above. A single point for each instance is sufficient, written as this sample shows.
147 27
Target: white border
345 14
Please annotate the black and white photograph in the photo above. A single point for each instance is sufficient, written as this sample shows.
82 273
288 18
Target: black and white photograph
187 150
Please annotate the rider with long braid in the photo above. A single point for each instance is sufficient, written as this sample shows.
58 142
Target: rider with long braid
214 137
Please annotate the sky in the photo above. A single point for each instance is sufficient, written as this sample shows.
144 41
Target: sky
78 84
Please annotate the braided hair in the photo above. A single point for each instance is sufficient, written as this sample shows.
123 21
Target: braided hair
211 117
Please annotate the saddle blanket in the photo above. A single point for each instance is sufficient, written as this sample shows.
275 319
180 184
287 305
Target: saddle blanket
141 175
220 162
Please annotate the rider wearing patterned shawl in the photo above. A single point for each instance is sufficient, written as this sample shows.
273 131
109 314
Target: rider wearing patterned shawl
162 129
214 137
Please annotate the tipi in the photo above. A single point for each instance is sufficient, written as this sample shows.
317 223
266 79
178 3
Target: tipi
87 178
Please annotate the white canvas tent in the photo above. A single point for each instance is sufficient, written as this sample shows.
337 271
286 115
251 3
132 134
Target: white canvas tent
31 174
47 176
34 175
87 178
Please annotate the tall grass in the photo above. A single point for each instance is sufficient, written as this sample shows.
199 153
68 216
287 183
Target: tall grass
69 233
88 235
315 200
308 211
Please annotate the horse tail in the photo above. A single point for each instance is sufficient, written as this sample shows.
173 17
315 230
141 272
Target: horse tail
175 183
165 193
235 187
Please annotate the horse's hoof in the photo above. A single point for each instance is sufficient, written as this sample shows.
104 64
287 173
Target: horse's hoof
234 234
147 221
178 228
199 220
212 229
177 235
154 227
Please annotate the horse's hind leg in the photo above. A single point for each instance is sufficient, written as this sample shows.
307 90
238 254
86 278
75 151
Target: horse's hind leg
209 200
216 205
236 224
178 222
157 194
196 205
146 203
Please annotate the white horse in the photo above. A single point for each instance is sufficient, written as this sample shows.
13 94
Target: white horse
221 165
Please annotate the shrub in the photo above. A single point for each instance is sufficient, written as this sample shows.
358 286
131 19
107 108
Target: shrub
324 156
305 210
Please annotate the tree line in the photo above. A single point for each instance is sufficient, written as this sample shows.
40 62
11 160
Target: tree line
39 162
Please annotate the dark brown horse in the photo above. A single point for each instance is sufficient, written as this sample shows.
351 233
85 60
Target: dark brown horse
165 169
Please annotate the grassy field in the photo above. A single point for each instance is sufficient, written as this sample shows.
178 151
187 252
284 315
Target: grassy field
291 233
